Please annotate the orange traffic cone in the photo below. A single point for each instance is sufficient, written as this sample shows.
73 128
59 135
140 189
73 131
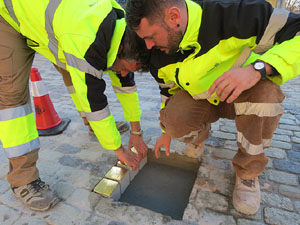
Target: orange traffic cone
47 120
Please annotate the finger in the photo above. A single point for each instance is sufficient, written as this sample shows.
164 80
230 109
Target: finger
235 94
226 91
215 85
157 151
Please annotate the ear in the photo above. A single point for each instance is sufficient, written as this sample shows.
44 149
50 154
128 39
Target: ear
120 49
172 17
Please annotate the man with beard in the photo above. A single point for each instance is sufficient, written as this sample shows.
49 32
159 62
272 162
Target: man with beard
220 59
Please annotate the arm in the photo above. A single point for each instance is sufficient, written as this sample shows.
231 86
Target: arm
278 46
126 92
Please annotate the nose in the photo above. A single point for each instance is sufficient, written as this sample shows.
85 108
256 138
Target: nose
149 44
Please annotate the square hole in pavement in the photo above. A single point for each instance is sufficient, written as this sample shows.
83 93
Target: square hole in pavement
163 185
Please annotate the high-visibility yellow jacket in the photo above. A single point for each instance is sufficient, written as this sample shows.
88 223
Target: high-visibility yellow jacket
82 37
218 37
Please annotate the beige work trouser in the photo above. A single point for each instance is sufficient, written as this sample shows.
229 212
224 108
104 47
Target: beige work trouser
256 112
15 64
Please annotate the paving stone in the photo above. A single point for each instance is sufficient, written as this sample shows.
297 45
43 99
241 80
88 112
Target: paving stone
289 191
65 214
67 149
287 121
275 153
282 177
231 145
294 156
280 217
289 127
297 206
83 199
223 154
208 217
281 144
296 139
296 147
214 201
283 132
70 161
8 215
297 134
280 137
248 222
223 135
64 189
230 129
286 165
190 213
214 142
4 186
128 213
30 220
277 201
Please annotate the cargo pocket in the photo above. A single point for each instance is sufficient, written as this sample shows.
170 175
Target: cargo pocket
6 68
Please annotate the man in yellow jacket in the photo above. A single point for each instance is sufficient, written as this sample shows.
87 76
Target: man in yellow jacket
87 39
220 59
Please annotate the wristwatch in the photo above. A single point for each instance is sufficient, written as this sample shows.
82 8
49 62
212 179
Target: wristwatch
260 67
140 132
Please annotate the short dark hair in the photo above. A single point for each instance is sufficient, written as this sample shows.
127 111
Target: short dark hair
135 49
150 9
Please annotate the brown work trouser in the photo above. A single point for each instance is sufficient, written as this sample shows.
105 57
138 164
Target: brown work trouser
256 112
15 65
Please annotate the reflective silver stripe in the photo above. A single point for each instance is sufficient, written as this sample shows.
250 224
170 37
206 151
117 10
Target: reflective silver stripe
298 34
164 98
250 148
10 9
242 58
38 89
193 134
71 89
82 65
98 115
126 90
53 42
167 85
13 113
82 114
277 21
203 95
20 150
258 109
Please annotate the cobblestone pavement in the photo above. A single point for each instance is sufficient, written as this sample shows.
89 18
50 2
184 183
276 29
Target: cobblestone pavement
73 163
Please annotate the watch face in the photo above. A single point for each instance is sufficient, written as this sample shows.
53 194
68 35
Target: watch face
259 65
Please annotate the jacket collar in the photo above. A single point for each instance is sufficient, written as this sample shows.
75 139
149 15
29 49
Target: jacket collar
190 38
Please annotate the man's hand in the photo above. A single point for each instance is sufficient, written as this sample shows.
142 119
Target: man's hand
138 142
233 82
163 141
128 157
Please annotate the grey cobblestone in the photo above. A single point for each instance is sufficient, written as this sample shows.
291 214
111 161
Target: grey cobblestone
276 201
275 153
289 191
74 162
248 222
287 166
282 177
294 156
281 144
281 217
297 206
296 139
